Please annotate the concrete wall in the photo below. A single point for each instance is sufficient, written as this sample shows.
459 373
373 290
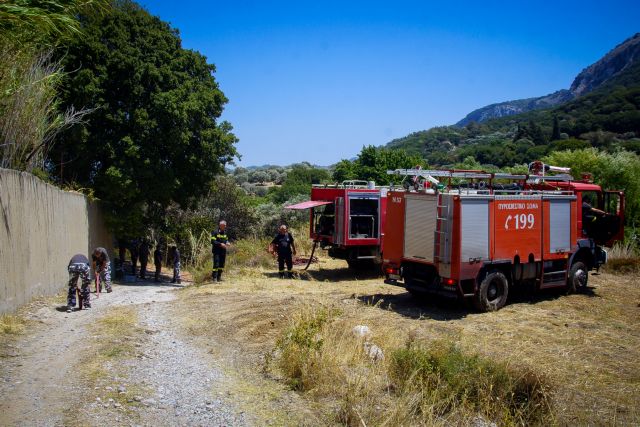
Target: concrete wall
41 228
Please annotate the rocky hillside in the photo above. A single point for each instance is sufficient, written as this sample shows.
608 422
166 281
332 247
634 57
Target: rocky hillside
612 64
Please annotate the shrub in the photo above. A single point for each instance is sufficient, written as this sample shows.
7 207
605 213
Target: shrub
300 347
448 380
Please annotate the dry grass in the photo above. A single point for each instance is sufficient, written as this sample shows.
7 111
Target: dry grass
114 336
585 347
623 259
113 340
11 324
426 384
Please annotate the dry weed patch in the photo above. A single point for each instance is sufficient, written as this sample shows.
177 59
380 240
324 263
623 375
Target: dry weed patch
11 324
413 383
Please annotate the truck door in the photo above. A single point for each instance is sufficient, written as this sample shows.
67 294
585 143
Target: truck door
614 205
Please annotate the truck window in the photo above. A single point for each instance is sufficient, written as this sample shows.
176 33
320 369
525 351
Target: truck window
591 197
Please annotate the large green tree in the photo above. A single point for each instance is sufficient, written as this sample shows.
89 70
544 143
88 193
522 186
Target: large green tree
154 136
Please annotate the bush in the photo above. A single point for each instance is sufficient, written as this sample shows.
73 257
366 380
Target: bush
444 379
300 348
272 215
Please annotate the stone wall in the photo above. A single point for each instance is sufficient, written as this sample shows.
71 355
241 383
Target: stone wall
41 228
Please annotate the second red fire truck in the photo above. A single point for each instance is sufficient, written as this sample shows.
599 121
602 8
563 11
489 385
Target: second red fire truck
347 220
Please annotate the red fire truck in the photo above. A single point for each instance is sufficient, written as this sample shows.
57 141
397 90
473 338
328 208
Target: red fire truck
478 234
348 219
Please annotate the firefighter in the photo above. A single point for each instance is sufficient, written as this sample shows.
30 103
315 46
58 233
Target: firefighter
78 267
176 264
102 267
219 245
283 243
144 258
157 262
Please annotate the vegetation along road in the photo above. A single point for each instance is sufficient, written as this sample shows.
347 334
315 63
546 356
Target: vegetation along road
256 350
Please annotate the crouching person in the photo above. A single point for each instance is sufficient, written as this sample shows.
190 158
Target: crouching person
102 267
78 268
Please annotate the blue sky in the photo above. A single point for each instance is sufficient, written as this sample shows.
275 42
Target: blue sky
315 81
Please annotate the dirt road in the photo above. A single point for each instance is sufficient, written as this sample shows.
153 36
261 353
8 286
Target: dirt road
47 374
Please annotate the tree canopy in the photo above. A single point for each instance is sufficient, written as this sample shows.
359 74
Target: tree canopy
154 136
372 164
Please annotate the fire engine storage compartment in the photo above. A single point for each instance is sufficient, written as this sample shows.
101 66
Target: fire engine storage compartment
457 236
363 216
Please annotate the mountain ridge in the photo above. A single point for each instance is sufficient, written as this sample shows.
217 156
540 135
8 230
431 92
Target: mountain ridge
614 62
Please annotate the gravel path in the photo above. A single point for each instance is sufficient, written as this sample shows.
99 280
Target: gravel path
39 378
188 391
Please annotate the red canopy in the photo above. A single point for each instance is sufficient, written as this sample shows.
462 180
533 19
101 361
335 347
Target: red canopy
308 204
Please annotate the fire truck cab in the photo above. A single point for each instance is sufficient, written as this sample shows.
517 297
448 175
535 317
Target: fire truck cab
347 219
483 233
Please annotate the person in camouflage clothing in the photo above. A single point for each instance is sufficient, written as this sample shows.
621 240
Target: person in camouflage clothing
102 267
176 265
78 267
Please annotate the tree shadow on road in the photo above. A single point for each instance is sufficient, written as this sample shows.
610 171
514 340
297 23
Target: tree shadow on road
165 280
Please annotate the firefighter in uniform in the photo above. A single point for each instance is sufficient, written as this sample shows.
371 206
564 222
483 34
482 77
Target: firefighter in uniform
78 268
102 267
283 243
219 243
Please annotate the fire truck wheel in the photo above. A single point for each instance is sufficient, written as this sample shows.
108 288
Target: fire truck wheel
493 292
578 277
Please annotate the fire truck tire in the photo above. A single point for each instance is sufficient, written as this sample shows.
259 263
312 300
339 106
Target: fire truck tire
492 293
578 277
